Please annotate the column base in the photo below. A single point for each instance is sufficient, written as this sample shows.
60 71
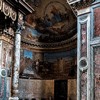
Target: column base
13 98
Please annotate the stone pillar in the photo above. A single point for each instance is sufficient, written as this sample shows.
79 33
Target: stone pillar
15 75
83 67
0 54
16 68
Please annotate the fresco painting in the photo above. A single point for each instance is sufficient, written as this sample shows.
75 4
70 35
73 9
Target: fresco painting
52 63
31 34
55 22
26 62
56 19
28 54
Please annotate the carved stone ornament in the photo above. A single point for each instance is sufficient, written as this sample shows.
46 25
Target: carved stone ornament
7 10
83 63
3 73
20 19
13 14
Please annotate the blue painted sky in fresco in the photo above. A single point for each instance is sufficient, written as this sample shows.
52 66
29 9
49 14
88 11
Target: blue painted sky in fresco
28 54
56 55
34 32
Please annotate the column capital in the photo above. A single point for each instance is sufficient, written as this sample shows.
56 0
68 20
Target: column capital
20 27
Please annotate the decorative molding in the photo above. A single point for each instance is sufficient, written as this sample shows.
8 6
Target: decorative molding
83 62
72 1
83 93
8 11
76 5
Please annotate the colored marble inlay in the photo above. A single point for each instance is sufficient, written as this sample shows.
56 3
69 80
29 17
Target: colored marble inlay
97 22
83 85
4 58
83 40
97 72
2 89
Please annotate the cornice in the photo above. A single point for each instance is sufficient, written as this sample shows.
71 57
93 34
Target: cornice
77 5
23 7
68 44
41 47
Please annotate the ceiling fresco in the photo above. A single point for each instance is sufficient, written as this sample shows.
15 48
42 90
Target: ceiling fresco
52 20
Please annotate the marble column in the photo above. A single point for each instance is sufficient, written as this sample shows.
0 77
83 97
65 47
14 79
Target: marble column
15 75
0 54
16 68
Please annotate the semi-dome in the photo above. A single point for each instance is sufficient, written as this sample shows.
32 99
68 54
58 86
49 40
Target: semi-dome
52 23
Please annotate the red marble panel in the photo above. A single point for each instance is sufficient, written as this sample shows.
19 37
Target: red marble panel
4 58
97 22
97 72
83 86
83 40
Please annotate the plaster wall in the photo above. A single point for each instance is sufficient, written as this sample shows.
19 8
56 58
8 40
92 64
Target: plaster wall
37 89
72 88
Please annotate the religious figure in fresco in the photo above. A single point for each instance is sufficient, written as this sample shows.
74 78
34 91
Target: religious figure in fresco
47 21
56 14
56 20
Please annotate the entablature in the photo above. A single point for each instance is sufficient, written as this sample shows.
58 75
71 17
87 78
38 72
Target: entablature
76 5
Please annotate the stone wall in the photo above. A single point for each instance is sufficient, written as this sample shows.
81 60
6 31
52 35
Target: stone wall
72 89
37 89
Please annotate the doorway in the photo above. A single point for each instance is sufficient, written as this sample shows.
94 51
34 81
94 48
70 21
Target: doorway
60 90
